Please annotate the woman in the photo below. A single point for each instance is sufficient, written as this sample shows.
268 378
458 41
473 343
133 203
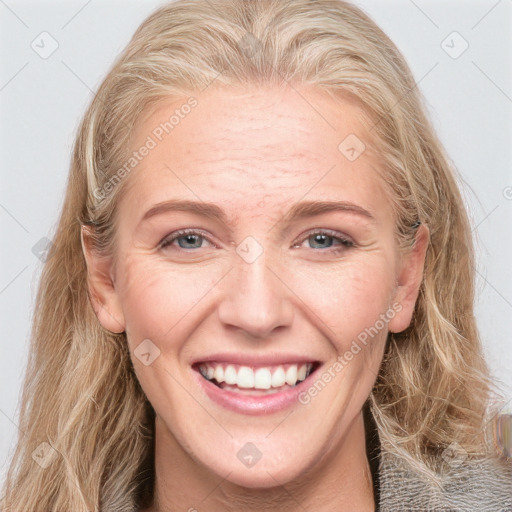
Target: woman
260 294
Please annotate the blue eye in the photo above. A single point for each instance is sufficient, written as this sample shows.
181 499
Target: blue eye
330 241
327 239
187 239
190 241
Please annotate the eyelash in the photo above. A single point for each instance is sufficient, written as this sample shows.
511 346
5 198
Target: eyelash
345 243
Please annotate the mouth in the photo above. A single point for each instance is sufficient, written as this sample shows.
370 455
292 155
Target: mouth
255 380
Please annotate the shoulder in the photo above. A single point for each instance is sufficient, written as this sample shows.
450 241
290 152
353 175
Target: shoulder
465 485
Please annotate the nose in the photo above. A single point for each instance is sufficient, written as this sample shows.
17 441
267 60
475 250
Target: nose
255 299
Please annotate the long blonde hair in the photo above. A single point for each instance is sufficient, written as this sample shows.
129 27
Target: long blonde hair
82 406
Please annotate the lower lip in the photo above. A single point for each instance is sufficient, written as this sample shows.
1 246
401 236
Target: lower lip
253 404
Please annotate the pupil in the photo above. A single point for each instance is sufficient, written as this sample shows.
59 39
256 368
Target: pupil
321 239
189 239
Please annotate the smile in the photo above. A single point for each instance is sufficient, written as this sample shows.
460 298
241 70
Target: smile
239 377
254 389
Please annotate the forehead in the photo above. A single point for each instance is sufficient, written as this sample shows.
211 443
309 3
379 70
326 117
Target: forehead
254 145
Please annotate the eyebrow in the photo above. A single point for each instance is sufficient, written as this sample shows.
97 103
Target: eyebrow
311 208
298 211
198 207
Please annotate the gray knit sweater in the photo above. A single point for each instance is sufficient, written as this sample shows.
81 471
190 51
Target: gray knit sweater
483 485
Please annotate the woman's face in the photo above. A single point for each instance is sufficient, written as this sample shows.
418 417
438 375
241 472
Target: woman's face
288 264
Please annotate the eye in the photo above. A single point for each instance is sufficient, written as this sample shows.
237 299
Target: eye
186 238
326 239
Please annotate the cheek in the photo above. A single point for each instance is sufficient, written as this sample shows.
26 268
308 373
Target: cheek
348 298
157 297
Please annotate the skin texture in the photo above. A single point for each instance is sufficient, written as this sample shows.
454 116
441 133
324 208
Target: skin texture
255 152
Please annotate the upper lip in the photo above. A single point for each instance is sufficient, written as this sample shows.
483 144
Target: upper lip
256 360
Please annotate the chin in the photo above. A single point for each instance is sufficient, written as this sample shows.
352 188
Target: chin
263 477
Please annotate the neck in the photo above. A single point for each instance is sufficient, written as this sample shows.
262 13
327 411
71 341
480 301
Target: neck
340 481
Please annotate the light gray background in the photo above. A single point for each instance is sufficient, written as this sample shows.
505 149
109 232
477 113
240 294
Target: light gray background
42 99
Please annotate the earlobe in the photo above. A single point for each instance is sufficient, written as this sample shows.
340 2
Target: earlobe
410 277
102 293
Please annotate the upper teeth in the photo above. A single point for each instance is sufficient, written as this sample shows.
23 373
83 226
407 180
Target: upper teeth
257 378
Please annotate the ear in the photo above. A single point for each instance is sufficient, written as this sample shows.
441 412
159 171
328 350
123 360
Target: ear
410 276
100 284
